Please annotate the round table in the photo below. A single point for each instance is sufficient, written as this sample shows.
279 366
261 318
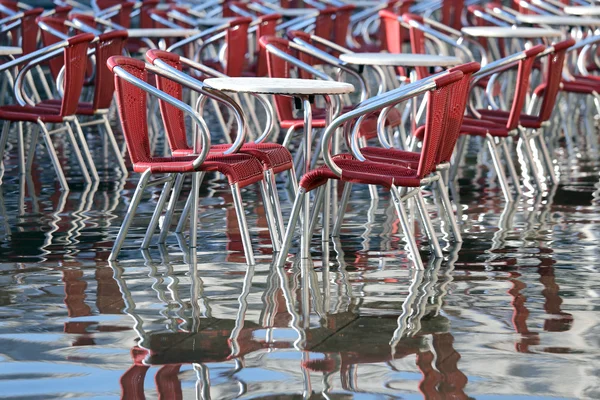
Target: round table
582 10
504 32
399 60
558 20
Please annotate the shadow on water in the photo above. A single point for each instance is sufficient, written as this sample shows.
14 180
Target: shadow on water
512 313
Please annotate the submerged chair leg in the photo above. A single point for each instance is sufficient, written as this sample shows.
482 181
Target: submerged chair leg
171 208
186 209
160 205
529 154
457 159
84 148
21 148
498 167
193 209
401 210
272 223
54 157
294 216
243 225
3 141
433 240
447 208
511 167
135 201
35 135
114 145
546 156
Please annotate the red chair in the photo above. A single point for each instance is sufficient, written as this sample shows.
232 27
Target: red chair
241 170
108 44
274 157
74 56
349 169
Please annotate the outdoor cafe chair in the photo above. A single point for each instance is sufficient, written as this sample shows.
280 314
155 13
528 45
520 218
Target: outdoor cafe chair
73 51
241 170
403 183
274 157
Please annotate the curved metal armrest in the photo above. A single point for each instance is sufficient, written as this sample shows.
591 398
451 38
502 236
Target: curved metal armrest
33 55
45 27
205 138
76 5
182 17
506 15
19 91
388 99
163 69
109 24
297 23
77 24
11 18
444 38
263 100
164 21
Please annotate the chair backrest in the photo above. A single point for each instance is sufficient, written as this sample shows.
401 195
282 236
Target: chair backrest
417 42
304 56
267 26
435 121
75 62
279 68
173 118
29 30
146 21
132 106
236 42
451 13
522 85
48 39
456 111
554 69
123 17
109 44
393 34
87 19
62 12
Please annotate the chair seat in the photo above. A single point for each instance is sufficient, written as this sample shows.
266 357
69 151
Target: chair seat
365 172
407 159
17 112
272 155
83 108
242 169
501 116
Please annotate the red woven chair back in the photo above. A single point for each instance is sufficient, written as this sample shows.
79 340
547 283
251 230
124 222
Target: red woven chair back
556 62
109 44
146 21
62 12
341 24
303 56
267 26
236 42
75 61
393 34
451 12
324 24
279 68
456 111
48 39
132 106
417 42
173 118
522 86
29 31
228 12
437 104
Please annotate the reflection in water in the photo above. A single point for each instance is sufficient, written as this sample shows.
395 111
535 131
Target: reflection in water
512 312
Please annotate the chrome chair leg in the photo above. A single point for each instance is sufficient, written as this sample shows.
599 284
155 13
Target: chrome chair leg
160 205
135 201
401 210
3 141
447 206
78 155
54 157
164 231
35 135
272 223
21 148
498 167
317 205
546 156
529 154
511 167
429 230
275 204
337 226
457 159
293 221
194 198
85 149
186 209
243 225
113 143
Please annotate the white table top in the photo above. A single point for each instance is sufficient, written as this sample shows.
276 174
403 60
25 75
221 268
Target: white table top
161 33
284 86
510 32
10 51
399 60
582 10
557 20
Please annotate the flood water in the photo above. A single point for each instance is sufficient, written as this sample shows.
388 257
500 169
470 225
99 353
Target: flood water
514 313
